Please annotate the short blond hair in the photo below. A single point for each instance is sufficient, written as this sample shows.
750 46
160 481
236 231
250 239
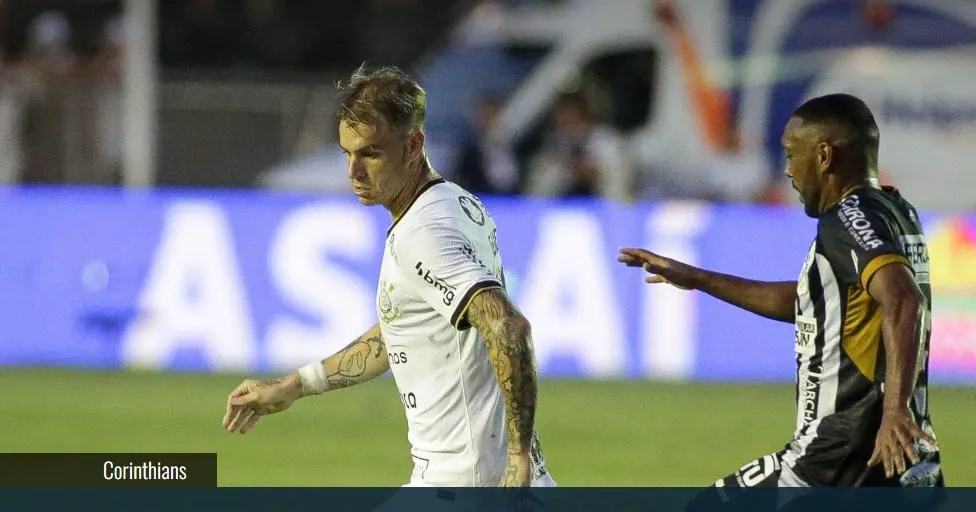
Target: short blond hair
386 94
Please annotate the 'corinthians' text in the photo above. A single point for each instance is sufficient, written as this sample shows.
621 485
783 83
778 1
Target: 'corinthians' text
144 471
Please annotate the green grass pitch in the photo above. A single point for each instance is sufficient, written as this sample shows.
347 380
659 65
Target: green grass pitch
594 433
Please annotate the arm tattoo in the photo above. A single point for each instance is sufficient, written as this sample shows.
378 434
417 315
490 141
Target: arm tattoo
361 360
508 336
273 381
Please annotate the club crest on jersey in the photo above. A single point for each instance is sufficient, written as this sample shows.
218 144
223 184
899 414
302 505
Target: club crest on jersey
388 311
472 209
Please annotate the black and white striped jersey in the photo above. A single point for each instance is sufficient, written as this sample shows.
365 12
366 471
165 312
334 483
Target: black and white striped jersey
840 355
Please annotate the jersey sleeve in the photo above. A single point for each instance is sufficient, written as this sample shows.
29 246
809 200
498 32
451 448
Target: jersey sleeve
444 269
859 237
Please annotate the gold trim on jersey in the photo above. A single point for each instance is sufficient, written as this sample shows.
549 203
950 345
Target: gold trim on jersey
479 287
861 337
877 263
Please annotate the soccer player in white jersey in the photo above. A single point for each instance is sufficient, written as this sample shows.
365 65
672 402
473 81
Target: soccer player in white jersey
459 350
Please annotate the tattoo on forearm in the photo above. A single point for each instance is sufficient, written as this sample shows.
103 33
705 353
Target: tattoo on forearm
509 348
360 361
273 381
353 362
339 382
510 477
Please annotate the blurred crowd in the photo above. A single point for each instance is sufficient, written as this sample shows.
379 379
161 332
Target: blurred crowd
582 156
66 53
60 70
246 36
592 143
61 64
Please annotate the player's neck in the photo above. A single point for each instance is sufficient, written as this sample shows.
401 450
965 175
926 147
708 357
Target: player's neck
420 178
838 190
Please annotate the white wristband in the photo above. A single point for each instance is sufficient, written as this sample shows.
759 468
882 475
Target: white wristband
314 379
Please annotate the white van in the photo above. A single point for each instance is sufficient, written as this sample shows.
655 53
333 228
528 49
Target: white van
766 55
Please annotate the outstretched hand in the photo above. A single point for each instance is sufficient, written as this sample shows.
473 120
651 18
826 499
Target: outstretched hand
663 270
894 443
253 399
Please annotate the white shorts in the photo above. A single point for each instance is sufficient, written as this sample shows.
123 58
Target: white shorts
545 480
439 499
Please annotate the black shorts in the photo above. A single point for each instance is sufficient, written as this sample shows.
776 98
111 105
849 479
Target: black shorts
767 483
766 471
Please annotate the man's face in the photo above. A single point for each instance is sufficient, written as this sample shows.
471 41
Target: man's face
806 160
377 159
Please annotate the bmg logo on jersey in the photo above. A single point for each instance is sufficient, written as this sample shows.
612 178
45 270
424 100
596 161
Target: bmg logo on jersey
446 290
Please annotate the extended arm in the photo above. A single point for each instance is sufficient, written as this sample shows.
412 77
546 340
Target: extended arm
361 360
773 300
508 336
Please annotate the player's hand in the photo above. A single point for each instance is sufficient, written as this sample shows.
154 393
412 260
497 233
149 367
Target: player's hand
895 442
518 471
664 270
253 399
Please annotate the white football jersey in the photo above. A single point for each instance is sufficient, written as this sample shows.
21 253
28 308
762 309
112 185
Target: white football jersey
439 253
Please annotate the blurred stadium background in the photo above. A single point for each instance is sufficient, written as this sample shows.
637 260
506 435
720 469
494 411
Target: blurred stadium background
175 215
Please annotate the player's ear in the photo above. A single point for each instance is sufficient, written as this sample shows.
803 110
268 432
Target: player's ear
415 145
824 155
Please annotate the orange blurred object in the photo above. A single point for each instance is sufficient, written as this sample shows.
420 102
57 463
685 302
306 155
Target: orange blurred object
877 14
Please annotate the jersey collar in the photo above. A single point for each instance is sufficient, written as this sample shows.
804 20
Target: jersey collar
425 188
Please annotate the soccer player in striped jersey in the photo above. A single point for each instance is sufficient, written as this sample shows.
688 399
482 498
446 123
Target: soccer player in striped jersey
861 309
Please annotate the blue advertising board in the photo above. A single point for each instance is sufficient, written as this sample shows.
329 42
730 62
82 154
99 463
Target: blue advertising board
263 282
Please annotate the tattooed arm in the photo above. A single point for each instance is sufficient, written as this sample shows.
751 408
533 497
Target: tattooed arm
361 360
509 339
